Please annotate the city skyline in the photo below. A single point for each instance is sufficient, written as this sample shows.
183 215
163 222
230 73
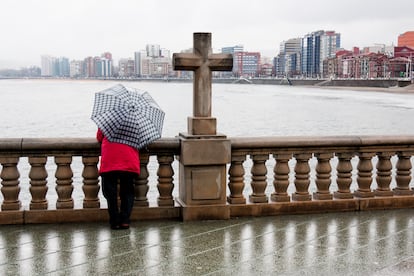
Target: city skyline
77 29
316 55
131 56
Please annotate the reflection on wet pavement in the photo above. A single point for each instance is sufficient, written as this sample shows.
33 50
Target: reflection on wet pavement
353 243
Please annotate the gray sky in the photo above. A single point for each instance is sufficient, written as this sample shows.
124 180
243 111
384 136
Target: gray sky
80 28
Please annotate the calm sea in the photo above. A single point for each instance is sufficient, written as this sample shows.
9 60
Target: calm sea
62 108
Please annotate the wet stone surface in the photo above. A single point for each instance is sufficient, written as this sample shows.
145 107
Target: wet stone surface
353 243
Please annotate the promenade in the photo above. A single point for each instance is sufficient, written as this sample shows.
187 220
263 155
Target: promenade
349 243
225 220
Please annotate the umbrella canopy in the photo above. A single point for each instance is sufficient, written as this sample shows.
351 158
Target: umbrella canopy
128 116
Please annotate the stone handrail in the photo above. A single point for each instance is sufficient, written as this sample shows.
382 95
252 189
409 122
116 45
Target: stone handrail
302 164
267 176
38 150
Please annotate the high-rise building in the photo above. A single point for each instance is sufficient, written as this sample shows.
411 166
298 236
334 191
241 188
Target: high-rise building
54 67
89 67
137 63
165 53
145 66
103 67
107 55
316 47
406 39
231 50
288 62
153 50
311 47
246 64
47 66
330 44
75 68
159 67
126 67
62 67
106 65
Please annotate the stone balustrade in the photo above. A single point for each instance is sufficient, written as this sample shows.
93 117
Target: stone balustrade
41 208
266 176
322 174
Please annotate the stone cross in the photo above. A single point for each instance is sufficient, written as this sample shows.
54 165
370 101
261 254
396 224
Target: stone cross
202 62
204 154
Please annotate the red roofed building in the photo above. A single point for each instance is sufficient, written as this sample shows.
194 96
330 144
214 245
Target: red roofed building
406 39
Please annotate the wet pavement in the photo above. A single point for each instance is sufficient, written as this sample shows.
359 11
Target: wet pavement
352 243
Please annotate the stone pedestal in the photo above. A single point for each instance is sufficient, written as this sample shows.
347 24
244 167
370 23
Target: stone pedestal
202 125
202 190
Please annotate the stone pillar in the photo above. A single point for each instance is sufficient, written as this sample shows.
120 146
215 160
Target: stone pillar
202 174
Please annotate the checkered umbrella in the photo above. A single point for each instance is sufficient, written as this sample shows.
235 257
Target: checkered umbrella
128 116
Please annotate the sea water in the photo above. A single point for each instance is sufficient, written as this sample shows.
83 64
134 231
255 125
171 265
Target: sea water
62 108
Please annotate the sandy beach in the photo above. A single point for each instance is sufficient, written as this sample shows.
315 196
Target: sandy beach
404 90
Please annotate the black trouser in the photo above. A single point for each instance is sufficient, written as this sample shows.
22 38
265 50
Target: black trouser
126 194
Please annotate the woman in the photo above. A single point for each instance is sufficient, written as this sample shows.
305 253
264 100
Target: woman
119 162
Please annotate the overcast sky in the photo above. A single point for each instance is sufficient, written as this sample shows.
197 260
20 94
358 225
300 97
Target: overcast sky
80 28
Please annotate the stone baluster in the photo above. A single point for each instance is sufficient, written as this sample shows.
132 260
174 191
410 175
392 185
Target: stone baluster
236 180
364 178
90 177
323 176
38 182
281 178
64 187
344 176
10 183
403 177
141 182
165 180
259 176
302 182
383 177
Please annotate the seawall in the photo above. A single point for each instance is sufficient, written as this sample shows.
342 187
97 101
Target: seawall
322 82
379 83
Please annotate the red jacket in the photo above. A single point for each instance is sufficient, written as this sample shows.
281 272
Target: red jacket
117 157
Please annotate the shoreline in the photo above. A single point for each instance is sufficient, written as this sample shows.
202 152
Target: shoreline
393 89
401 90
